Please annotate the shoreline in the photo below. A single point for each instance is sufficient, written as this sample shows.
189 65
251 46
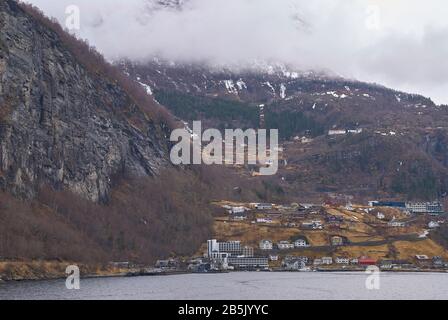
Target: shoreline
136 273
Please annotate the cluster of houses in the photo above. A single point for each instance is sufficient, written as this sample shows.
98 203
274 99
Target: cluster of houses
271 212
290 216
300 263
292 263
420 262
240 213
434 209
362 261
336 132
233 255
266 245
303 263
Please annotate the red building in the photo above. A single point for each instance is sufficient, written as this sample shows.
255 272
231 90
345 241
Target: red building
366 261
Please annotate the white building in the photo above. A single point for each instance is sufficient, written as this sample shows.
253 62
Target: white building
219 259
233 248
317 262
294 264
237 210
212 247
349 207
417 207
425 207
247 251
266 245
342 260
335 132
263 206
397 224
285 245
300 243
249 262
433 225
380 215
327 260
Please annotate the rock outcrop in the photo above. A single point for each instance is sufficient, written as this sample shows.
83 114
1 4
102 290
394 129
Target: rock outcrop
62 124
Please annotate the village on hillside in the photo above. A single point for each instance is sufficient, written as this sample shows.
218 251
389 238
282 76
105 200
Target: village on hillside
394 236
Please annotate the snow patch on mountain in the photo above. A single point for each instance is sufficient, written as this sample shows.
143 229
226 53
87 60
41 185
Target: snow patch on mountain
230 86
241 84
282 91
267 83
146 87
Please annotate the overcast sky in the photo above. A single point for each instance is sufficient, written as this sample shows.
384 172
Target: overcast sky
402 44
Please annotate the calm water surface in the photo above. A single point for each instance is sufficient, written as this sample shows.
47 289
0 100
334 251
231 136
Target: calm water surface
244 285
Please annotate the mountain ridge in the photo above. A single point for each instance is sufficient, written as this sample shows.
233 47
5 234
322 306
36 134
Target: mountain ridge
306 107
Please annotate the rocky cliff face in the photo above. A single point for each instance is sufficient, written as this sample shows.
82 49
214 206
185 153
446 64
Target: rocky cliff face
64 125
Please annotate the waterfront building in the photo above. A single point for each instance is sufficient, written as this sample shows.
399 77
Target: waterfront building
247 251
230 247
248 262
342 260
366 261
317 262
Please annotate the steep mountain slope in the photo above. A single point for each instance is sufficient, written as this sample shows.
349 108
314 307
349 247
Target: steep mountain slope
84 165
400 153
63 123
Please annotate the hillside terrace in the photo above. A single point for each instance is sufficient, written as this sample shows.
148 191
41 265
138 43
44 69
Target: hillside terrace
363 233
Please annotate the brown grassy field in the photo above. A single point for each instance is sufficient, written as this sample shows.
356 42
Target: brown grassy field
427 247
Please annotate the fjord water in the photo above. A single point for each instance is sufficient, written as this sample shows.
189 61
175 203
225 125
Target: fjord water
240 286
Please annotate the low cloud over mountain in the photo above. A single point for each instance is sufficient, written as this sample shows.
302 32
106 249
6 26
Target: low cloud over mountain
400 43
